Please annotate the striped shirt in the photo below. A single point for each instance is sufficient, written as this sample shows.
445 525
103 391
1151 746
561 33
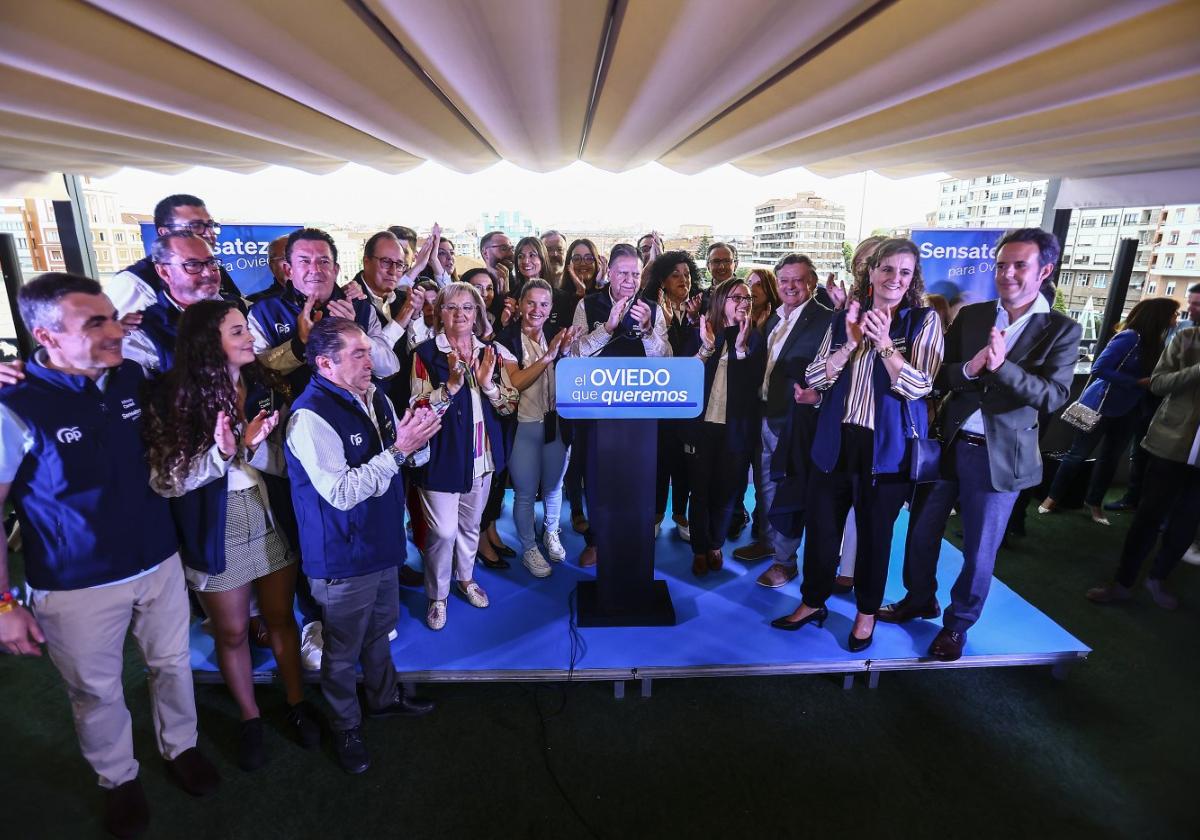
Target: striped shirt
921 364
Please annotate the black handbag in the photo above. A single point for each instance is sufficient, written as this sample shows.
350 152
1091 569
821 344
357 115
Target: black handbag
924 454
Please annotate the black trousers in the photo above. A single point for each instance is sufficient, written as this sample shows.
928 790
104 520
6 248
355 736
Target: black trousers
1171 495
495 500
876 499
716 475
673 473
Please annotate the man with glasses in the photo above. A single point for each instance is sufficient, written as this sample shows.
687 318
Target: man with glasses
722 261
137 286
649 247
497 253
189 273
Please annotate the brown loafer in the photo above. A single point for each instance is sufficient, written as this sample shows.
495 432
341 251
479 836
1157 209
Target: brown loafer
587 557
757 550
947 645
579 523
716 560
776 576
411 577
904 610
699 565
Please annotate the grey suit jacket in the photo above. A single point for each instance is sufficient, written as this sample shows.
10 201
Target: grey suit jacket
1035 378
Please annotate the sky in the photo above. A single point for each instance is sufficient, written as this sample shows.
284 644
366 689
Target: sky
576 197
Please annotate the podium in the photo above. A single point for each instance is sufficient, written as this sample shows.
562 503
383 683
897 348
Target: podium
616 403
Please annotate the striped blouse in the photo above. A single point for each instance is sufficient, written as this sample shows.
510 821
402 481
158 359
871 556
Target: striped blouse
921 364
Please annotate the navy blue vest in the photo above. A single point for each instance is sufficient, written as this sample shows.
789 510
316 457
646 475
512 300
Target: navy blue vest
85 481
452 449
370 536
597 307
160 322
200 515
895 418
277 316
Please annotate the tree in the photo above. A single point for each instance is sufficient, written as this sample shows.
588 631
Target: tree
1060 301
701 253
848 255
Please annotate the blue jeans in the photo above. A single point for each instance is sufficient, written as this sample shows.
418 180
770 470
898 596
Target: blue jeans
1113 434
536 464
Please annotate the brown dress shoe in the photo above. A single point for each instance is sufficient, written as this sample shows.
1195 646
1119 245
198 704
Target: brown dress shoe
579 523
758 550
904 610
587 557
699 565
947 645
716 560
776 576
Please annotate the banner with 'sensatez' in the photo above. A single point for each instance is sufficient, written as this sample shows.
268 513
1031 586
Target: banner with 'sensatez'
959 263
629 388
242 249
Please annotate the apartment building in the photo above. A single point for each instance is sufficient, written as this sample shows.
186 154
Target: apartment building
805 224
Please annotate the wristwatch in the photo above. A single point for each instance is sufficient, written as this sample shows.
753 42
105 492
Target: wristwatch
886 352
400 458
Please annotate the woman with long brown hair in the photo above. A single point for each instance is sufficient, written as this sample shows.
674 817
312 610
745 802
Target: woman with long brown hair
1118 390
214 450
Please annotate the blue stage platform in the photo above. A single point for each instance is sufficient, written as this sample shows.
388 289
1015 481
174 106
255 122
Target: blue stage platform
723 628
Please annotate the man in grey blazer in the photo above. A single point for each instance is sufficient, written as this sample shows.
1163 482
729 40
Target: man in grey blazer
1006 361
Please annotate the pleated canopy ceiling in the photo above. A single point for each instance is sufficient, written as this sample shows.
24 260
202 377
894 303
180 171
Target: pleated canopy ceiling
903 87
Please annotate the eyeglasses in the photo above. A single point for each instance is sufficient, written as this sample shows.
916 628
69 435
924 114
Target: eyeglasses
582 258
323 263
740 300
455 308
197 266
198 227
388 264
720 262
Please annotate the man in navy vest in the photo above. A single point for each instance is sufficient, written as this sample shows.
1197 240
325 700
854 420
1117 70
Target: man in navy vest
281 324
1006 362
134 288
189 273
73 463
345 447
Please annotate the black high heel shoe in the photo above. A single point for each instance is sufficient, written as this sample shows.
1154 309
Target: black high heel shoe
498 564
817 617
503 551
856 644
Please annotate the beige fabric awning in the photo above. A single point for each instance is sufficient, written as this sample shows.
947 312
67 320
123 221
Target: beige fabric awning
903 87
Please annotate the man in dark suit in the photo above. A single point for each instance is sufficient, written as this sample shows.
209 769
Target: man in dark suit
1005 363
794 334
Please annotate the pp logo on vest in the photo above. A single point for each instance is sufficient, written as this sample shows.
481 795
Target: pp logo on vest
283 329
356 440
69 434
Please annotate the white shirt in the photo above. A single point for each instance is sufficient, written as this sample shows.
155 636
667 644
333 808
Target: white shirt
596 338
538 398
974 424
775 341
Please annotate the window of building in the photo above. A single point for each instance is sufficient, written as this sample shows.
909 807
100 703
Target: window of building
1088 222
1108 220
1173 239
1101 281
56 255
1179 214
1189 261
1083 259
1130 219
1037 191
1006 210
1085 280
51 234
1022 193
1169 260
1194 238
1152 287
1066 277
1006 195
1170 289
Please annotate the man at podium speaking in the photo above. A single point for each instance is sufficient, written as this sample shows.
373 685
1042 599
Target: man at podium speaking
617 322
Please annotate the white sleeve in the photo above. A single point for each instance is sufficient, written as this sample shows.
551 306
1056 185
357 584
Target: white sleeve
16 440
137 347
383 357
319 450
591 342
128 292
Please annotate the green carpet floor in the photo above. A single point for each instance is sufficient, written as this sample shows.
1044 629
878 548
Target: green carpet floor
1112 751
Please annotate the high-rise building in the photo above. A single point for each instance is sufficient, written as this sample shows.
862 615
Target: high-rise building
1173 265
990 201
512 222
1090 250
805 224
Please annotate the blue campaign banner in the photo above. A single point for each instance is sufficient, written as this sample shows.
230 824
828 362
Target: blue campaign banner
629 388
242 249
959 263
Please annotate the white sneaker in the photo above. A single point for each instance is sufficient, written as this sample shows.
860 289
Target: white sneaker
435 616
312 641
393 635
475 595
554 546
536 563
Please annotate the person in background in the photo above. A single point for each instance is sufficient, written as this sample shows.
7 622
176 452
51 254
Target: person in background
1007 362
649 247
457 374
1171 498
877 361
275 261
1120 382
497 252
71 452
135 287
764 289
213 452
556 252
498 310
442 269
344 448
720 442
419 259
542 441
722 262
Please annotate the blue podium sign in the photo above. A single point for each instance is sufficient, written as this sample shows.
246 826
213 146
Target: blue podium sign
629 388
959 263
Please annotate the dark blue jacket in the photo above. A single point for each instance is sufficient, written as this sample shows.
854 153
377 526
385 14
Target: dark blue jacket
370 536
200 515
160 322
1114 390
452 449
597 307
743 414
88 515
896 420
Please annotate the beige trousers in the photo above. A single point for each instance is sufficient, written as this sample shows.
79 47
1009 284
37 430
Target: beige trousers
85 636
453 535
